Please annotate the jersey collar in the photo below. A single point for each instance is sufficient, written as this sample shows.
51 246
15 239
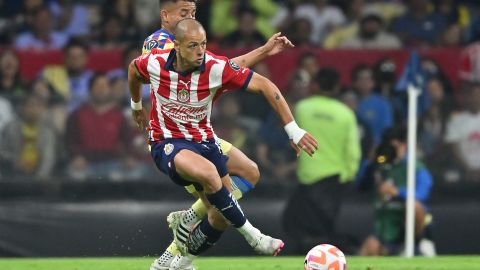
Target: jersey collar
170 35
171 58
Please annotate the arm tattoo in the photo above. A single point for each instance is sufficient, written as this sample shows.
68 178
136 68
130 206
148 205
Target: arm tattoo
277 96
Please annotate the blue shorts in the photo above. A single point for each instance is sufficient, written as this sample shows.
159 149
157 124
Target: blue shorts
164 152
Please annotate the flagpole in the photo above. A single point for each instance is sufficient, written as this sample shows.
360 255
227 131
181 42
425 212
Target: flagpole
413 93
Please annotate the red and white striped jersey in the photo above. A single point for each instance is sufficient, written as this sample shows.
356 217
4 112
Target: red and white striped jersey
181 103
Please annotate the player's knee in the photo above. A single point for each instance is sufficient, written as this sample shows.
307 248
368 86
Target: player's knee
252 173
208 177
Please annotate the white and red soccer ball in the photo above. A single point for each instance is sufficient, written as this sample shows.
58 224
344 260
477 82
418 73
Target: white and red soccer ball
325 257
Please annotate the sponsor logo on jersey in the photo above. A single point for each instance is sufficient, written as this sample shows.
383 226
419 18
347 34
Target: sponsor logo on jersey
185 113
168 148
233 65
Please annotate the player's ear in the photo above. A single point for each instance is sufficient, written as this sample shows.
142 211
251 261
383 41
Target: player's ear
164 15
176 44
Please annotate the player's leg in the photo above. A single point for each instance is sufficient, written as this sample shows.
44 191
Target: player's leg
244 176
239 164
207 172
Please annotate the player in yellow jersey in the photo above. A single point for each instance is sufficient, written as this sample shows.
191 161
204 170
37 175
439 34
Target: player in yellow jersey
243 170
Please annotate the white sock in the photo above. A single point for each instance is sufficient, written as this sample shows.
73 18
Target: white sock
248 231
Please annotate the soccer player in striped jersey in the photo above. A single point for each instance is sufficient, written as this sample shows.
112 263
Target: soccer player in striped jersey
245 174
184 83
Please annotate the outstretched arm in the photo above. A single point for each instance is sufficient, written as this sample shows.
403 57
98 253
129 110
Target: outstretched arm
274 45
135 81
301 138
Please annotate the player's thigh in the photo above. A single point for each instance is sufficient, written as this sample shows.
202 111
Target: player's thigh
239 164
192 166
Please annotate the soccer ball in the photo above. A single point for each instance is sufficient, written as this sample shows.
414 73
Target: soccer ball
325 257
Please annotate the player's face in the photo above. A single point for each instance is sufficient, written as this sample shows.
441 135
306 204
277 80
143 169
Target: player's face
175 12
192 48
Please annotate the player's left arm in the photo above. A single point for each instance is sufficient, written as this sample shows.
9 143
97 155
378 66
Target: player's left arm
301 138
274 45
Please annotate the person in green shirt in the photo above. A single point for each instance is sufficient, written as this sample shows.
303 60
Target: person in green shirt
311 212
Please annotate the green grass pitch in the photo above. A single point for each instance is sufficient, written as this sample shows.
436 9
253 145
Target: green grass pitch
245 263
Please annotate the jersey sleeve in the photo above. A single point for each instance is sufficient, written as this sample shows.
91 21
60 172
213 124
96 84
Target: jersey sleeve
154 43
141 63
235 77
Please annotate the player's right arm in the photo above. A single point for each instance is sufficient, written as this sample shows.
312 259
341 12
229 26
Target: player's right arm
301 138
135 81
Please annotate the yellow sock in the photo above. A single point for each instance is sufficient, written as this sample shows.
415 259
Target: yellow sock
173 248
237 194
199 208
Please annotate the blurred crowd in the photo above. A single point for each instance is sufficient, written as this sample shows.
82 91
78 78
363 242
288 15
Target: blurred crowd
73 123
50 24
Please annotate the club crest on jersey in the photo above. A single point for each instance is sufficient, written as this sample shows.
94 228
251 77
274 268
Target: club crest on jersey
233 65
168 148
183 95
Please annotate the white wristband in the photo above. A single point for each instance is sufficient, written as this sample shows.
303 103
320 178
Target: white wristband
136 105
294 132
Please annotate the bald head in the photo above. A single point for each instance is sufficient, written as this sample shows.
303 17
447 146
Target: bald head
187 27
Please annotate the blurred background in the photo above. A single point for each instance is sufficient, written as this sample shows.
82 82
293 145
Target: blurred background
76 178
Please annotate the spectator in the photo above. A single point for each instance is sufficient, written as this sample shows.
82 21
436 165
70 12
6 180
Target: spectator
41 36
9 15
350 29
274 155
113 34
463 135
282 18
388 9
350 99
24 19
419 26
372 36
432 128
146 13
71 80
11 85
308 66
323 18
246 36
229 125
389 178
71 18
97 136
222 22
56 108
455 13
452 36
29 143
384 72
125 16
373 110
310 215
299 32
118 77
